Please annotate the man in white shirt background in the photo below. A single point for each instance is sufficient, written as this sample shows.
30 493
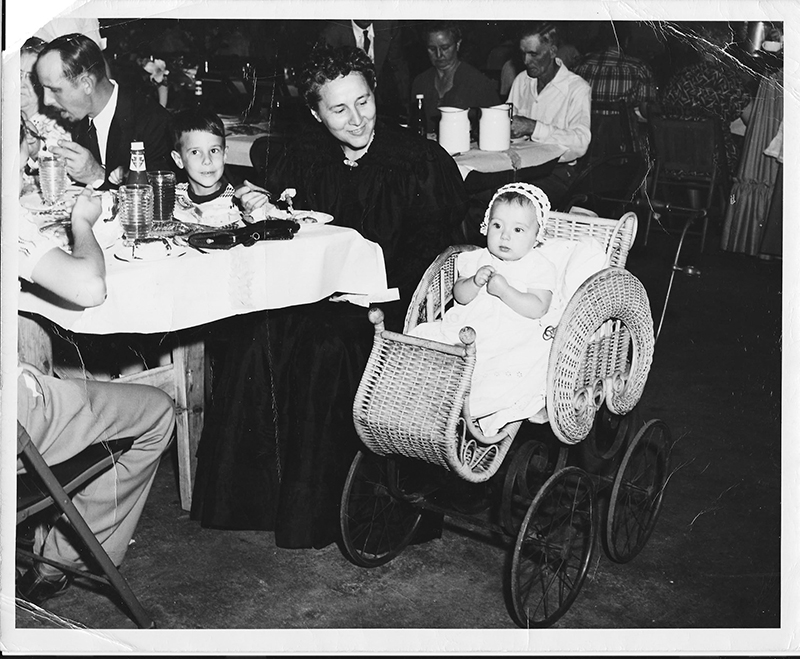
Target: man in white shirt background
551 105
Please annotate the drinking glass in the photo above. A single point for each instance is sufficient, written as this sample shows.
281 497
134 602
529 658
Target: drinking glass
135 210
163 184
52 177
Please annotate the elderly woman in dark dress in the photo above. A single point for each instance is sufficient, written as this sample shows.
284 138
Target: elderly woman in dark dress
279 436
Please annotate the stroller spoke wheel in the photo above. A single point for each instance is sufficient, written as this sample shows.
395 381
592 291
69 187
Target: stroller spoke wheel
376 523
553 548
638 492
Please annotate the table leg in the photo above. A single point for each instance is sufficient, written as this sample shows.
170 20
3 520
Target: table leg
188 363
34 345
183 380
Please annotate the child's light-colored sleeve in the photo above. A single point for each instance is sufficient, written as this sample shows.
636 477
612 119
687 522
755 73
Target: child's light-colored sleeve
467 263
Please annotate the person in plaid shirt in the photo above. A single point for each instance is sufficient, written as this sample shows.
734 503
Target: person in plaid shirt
614 75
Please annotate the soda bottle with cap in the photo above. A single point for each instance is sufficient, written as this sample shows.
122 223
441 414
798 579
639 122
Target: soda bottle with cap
137 170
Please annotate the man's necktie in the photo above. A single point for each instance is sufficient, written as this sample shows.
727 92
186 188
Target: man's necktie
94 145
366 41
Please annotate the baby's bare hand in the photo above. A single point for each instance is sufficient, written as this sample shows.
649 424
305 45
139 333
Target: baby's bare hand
496 285
483 275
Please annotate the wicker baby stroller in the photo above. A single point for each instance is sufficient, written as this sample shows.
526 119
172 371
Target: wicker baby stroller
412 407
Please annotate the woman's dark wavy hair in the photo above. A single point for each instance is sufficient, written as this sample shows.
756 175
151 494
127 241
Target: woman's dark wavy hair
326 64
79 54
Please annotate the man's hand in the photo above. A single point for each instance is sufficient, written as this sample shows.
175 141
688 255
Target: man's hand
81 165
521 126
251 196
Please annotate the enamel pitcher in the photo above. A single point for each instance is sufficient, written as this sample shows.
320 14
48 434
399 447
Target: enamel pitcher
454 130
495 128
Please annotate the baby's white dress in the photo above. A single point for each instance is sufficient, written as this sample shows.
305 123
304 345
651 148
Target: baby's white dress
510 375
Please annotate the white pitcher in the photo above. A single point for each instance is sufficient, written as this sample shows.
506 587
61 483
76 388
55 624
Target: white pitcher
495 128
454 130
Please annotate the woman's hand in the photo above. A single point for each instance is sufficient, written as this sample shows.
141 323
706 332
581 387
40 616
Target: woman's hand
251 196
483 275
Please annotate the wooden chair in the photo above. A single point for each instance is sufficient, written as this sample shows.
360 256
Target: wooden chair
43 487
690 172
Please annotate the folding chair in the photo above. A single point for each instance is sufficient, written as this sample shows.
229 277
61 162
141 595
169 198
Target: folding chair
42 487
691 171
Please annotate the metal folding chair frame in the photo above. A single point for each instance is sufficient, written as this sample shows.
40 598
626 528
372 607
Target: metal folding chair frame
55 493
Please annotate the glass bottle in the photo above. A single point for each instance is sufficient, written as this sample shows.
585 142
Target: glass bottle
418 125
198 92
137 170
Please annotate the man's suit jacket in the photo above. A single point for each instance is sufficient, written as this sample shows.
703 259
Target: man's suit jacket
137 118
388 48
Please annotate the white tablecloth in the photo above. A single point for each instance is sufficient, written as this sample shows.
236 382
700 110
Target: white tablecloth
521 154
193 289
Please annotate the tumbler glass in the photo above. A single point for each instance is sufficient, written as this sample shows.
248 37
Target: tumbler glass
163 184
135 210
52 177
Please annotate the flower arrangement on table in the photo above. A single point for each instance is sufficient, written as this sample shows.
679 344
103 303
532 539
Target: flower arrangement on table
157 68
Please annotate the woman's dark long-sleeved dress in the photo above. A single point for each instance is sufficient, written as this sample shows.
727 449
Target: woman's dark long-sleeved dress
279 437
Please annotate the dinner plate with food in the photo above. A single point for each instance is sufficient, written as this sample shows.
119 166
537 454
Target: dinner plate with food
302 217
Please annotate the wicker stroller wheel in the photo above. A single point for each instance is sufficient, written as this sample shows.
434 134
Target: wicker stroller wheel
638 492
607 321
529 468
376 525
553 549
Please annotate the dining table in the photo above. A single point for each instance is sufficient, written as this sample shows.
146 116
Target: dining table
177 287
524 160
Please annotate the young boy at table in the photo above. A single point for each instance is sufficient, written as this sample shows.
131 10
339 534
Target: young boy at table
200 150
63 417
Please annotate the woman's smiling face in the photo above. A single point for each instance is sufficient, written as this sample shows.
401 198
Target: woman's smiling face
347 109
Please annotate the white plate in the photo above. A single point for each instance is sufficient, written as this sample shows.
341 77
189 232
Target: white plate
152 250
209 221
33 202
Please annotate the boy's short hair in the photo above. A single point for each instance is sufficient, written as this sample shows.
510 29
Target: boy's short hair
193 119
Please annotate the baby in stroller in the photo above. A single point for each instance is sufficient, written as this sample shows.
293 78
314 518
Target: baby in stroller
502 292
